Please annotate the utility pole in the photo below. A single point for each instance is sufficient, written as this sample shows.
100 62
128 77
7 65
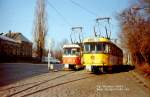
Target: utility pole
50 66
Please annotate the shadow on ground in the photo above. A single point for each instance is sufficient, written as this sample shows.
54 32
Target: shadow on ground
12 72
116 69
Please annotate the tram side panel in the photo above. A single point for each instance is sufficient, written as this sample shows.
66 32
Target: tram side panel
72 62
96 59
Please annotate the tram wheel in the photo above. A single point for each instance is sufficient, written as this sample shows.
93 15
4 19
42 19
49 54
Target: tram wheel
103 69
76 67
95 69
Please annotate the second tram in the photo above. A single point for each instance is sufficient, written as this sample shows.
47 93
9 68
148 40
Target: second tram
72 56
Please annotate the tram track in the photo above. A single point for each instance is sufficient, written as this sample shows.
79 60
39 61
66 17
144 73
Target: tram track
56 81
53 86
80 83
22 85
35 84
64 81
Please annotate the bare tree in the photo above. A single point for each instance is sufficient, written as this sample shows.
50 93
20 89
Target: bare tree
59 49
40 28
135 34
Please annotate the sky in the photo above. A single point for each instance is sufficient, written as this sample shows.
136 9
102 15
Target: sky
19 16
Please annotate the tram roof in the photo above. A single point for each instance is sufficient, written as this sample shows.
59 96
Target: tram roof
96 39
71 46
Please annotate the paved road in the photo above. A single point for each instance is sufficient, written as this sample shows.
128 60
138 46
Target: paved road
73 84
12 72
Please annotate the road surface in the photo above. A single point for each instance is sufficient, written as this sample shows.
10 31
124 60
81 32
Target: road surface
37 81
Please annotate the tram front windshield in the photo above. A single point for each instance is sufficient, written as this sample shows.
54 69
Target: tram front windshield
95 47
71 51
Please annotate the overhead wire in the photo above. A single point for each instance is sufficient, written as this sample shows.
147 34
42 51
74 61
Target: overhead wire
75 3
56 9
85 9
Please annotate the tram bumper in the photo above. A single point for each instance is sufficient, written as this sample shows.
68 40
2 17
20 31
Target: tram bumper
66 66
88 68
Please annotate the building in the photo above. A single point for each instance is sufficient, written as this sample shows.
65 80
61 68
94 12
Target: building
13 45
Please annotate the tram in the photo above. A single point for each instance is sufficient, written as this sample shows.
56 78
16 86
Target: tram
72 56
100 54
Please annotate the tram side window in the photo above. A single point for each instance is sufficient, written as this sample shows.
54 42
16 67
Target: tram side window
120 53
111 49
67 51
106 49
87 48
78 51
75 51
92 48
114 51
117 52
101 47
